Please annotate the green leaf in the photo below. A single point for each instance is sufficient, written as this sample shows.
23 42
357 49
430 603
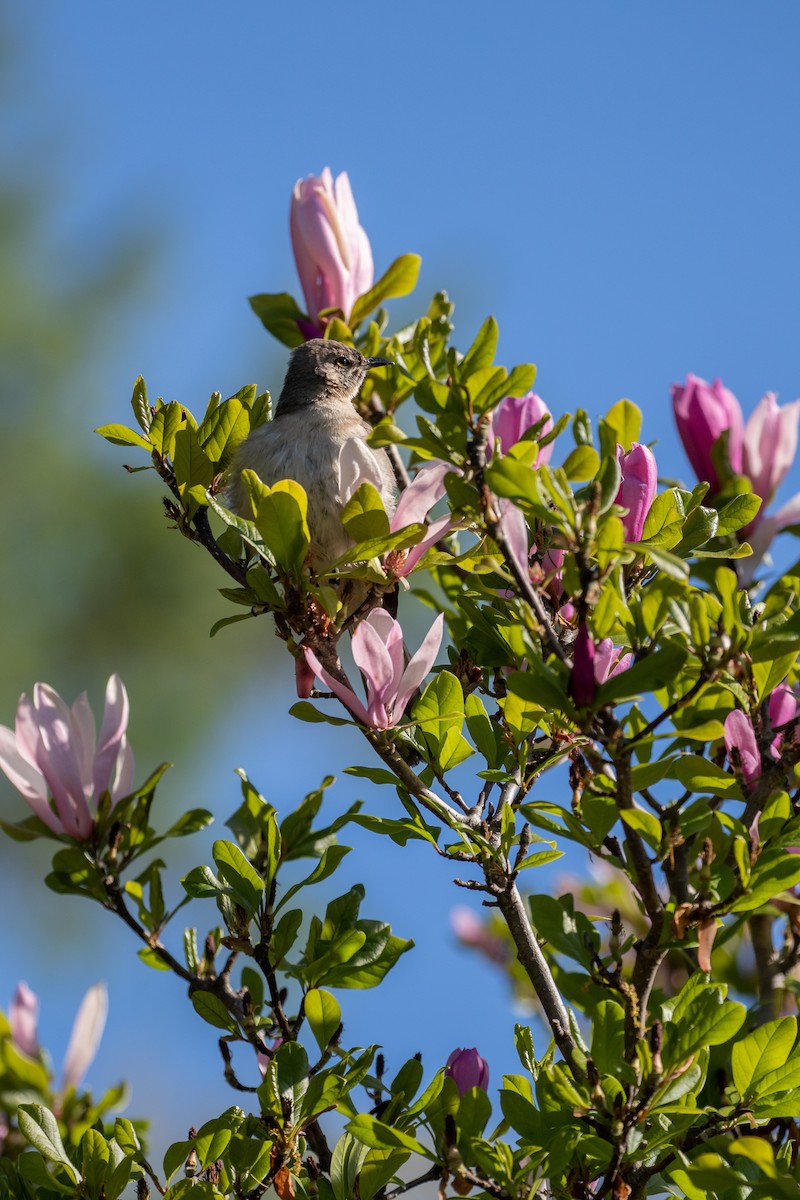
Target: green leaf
439 712
304 710
282 521
141 409
243 879
709 1020
221 434
663 525
380 1167
213 1011
212 1140
625 419
699 774
202 883
608 1037
482 351
38 1125
655 671
582 463
760 1052
95 1160
364 516
279 314
121 435
644 823
737 513
373 1133
398 280
346 1160
167 420
192 465
324 1015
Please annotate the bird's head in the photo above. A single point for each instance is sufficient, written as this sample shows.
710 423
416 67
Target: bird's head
321 370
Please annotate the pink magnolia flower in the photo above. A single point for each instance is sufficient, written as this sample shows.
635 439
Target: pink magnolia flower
582 680
23 1016
54 751
703 412
637 488
740 738
468 1070
761 532
358 464
87 1030
784 710
770 444
609 660
378 653
592 664
425 490
512 419
331 250
471 931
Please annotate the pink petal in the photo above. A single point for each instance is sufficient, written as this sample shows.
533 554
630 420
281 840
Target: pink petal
112 734
516 531
362 272
346 694
514 416
740 735
121 781
770 444
86 1033
357 464
418 667
319 231
23 1014
436 529
421 494
377 664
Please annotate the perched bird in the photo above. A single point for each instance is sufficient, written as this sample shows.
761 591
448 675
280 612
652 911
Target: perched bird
314 420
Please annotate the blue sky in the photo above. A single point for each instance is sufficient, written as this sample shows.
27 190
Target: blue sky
618 184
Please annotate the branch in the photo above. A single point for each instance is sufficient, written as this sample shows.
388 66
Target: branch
494 524
537 969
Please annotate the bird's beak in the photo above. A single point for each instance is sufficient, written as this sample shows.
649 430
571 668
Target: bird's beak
379 362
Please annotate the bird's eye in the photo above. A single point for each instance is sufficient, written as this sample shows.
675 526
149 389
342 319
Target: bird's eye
341 361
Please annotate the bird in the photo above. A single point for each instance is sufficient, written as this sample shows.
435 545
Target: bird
314 420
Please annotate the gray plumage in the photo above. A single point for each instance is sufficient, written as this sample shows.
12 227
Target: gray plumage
314 418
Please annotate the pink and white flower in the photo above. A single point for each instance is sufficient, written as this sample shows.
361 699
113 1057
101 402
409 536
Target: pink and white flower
378 652
54 752
331 250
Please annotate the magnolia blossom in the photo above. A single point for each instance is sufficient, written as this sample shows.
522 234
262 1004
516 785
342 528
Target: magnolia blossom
740 736
23 1016
331 250
637 487
770 444
425 490
87 1030
468 1070
471 931
763 450
54 751
592 664
512 419
703 412
378 653
357 464
740 742
609 660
